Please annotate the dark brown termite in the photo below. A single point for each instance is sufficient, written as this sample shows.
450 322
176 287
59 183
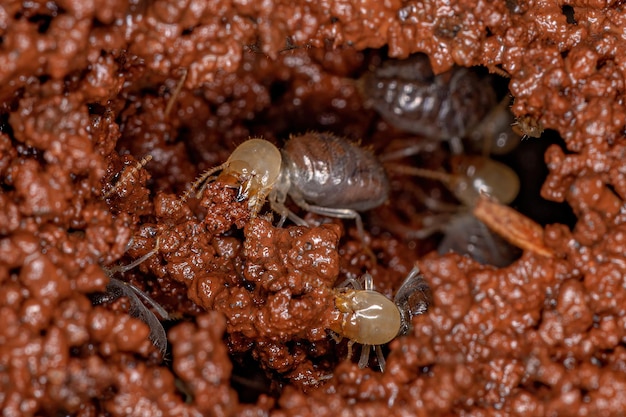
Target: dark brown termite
450 106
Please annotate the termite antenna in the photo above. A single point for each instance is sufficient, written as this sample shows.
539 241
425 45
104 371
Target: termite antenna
176 92
499 71
198 185
444 177
127 174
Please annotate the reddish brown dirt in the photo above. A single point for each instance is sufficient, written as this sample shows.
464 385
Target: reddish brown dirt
84 89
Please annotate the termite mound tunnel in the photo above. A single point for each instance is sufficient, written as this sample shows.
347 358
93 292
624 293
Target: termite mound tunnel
88 90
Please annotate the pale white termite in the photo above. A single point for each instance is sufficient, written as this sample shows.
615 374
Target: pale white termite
322 173
369 318
253 168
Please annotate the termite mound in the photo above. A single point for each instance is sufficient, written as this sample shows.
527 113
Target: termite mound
539 337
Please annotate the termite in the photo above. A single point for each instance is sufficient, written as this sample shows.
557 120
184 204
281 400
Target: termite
471 179
322 173
116 288
526 126
449 106
369 318
472 176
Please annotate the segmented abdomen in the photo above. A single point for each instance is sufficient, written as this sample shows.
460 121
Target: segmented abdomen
409 96
329 171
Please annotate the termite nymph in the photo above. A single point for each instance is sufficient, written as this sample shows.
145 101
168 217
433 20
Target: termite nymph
472 177
451 106
322 173
369 318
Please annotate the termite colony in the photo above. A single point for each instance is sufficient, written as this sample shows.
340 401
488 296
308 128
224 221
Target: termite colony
459 107
329 176
304 170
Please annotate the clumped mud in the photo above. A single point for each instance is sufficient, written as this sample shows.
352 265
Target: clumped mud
87 90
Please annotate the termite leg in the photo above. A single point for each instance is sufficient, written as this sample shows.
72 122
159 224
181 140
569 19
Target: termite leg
341 214
380 357
136 262
365 356
179 86
201 182
127 175
350 344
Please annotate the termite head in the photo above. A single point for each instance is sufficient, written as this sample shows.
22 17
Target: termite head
526 126
253 168
474 175
367 317
239 174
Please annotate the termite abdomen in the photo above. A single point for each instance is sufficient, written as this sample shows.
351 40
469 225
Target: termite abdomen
410 97
332 172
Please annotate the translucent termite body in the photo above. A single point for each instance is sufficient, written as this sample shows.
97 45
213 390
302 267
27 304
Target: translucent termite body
449 106
369 318
472 178
322 174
